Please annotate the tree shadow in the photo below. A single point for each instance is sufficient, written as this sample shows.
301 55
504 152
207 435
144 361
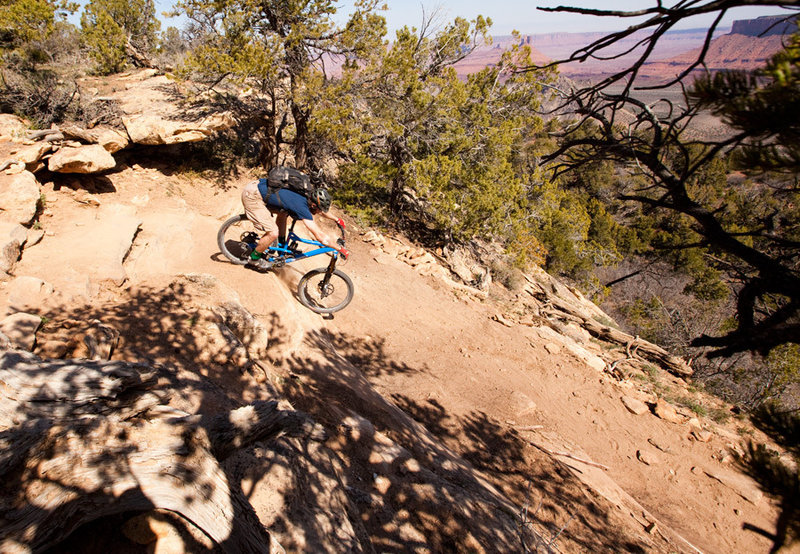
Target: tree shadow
76 455
418 476
777 477
94 184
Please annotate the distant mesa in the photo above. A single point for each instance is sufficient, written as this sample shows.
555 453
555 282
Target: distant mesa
747 45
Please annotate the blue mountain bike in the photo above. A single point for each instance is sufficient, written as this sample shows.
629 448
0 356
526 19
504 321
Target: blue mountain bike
324 290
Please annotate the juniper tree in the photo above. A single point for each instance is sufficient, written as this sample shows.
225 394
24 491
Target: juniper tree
118 31
430 146
284 52
25 25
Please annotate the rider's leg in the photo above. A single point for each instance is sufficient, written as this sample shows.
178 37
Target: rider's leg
280 220
265 241
261 217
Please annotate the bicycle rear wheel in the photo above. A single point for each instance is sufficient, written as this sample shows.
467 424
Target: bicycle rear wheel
325 297
236 239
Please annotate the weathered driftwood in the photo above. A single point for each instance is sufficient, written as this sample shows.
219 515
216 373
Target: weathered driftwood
49 135
557 307
78 133
74 447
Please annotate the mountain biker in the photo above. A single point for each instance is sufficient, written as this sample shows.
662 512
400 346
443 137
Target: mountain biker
286 203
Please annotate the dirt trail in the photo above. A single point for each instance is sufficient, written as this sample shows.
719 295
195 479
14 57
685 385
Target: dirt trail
488 391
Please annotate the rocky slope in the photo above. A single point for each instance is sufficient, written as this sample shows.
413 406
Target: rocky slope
429 416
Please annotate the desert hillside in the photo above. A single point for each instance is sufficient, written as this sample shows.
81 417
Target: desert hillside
157 396
746 45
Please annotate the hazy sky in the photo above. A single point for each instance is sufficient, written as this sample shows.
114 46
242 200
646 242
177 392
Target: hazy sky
522 15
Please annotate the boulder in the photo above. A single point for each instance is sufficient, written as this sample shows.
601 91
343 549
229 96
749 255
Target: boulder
12 126
634 405
667 412
12 239
109 138
83 159
30 155
155 130
27 292
20 328
252 334
19 195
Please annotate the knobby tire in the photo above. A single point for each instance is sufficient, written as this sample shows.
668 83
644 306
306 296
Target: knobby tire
307 291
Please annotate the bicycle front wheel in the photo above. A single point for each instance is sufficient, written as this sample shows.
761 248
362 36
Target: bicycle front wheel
322 295
237 238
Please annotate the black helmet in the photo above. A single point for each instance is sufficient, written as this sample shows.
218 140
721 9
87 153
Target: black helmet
321 198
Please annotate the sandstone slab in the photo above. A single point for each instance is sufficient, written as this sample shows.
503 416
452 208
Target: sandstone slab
92 158
156 130
27 292
19 195
20 328
634 405
31 155
13 126
12 240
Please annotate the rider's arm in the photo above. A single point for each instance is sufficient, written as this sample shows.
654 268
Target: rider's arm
333 218
320 235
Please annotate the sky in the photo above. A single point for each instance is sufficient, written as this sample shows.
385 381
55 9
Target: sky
521 15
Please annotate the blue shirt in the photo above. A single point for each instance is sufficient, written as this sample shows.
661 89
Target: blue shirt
291 202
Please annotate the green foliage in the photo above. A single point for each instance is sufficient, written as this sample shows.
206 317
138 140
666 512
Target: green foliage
26 26
442 149
280 51
765 104
172 46
783 364
562 224
109 27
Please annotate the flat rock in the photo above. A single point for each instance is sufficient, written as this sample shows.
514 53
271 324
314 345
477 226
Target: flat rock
92 158
13 126
19 195
702 435
593 361
20 329
634 405
552 348
740 484
86 254
12 239
647 458
667 412
521 403
26 292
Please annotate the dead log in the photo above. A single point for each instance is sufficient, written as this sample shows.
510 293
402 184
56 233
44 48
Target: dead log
138 57
74 447
648 350
78 133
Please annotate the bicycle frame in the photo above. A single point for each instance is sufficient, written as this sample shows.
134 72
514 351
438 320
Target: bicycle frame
285 254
